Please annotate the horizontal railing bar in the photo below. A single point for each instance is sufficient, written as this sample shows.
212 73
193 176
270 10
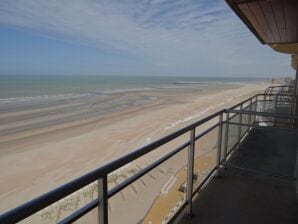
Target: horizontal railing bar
278 90
244 101
265 127
280 86
290 90
144 171
277 94
273 87
277 100
132 179
76 215
261 114
275 122
260 94
25 210
206 131
288 178
79 213
230 118
235 114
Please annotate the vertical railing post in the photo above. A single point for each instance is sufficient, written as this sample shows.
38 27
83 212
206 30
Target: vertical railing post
275 109
296 100
226 136
239 126
103 200
264 102
190 169
249 117
293 102
219 141
294 110
256 110
296 174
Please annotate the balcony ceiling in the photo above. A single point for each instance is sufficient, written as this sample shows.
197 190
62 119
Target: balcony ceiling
272 21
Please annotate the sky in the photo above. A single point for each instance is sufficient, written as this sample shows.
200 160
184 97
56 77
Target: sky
131 37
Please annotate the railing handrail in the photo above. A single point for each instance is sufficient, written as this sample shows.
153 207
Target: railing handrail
272 94
261 113
259 94
31 207
280 86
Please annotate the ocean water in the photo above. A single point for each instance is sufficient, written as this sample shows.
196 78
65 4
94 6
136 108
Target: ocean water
51 85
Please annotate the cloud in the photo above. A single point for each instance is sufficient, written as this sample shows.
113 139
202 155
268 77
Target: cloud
171 35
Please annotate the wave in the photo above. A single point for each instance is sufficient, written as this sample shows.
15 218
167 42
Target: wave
172 125
127 90
66 95
189 118
42 97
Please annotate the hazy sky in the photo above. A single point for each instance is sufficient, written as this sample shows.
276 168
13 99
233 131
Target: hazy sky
131 37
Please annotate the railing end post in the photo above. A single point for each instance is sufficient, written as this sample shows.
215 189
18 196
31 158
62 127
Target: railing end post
190 171
103 200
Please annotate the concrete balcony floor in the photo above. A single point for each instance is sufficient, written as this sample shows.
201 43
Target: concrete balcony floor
247 197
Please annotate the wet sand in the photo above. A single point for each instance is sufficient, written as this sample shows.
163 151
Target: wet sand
48 143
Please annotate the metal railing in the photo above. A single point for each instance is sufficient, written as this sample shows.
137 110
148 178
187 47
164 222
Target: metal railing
245 115
268 127
280 89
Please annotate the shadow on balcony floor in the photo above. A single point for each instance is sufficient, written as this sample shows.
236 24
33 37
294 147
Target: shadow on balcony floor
248 197
273 151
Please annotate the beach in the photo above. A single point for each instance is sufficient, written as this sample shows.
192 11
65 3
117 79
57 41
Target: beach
51 141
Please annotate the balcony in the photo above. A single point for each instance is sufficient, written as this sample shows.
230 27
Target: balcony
237 165
257 183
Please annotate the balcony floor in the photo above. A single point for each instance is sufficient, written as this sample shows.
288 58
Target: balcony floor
246 197
273 151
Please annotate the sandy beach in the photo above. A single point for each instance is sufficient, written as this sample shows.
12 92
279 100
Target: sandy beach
49 142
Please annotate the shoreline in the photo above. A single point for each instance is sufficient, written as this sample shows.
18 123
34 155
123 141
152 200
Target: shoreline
47 110
81 143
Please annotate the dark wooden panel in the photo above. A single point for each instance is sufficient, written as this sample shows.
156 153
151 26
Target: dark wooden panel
289 8
296 21
251 18
279 14
272 21
260 17
268 13
246 1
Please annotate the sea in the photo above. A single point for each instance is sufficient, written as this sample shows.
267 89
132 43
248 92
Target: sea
24 86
